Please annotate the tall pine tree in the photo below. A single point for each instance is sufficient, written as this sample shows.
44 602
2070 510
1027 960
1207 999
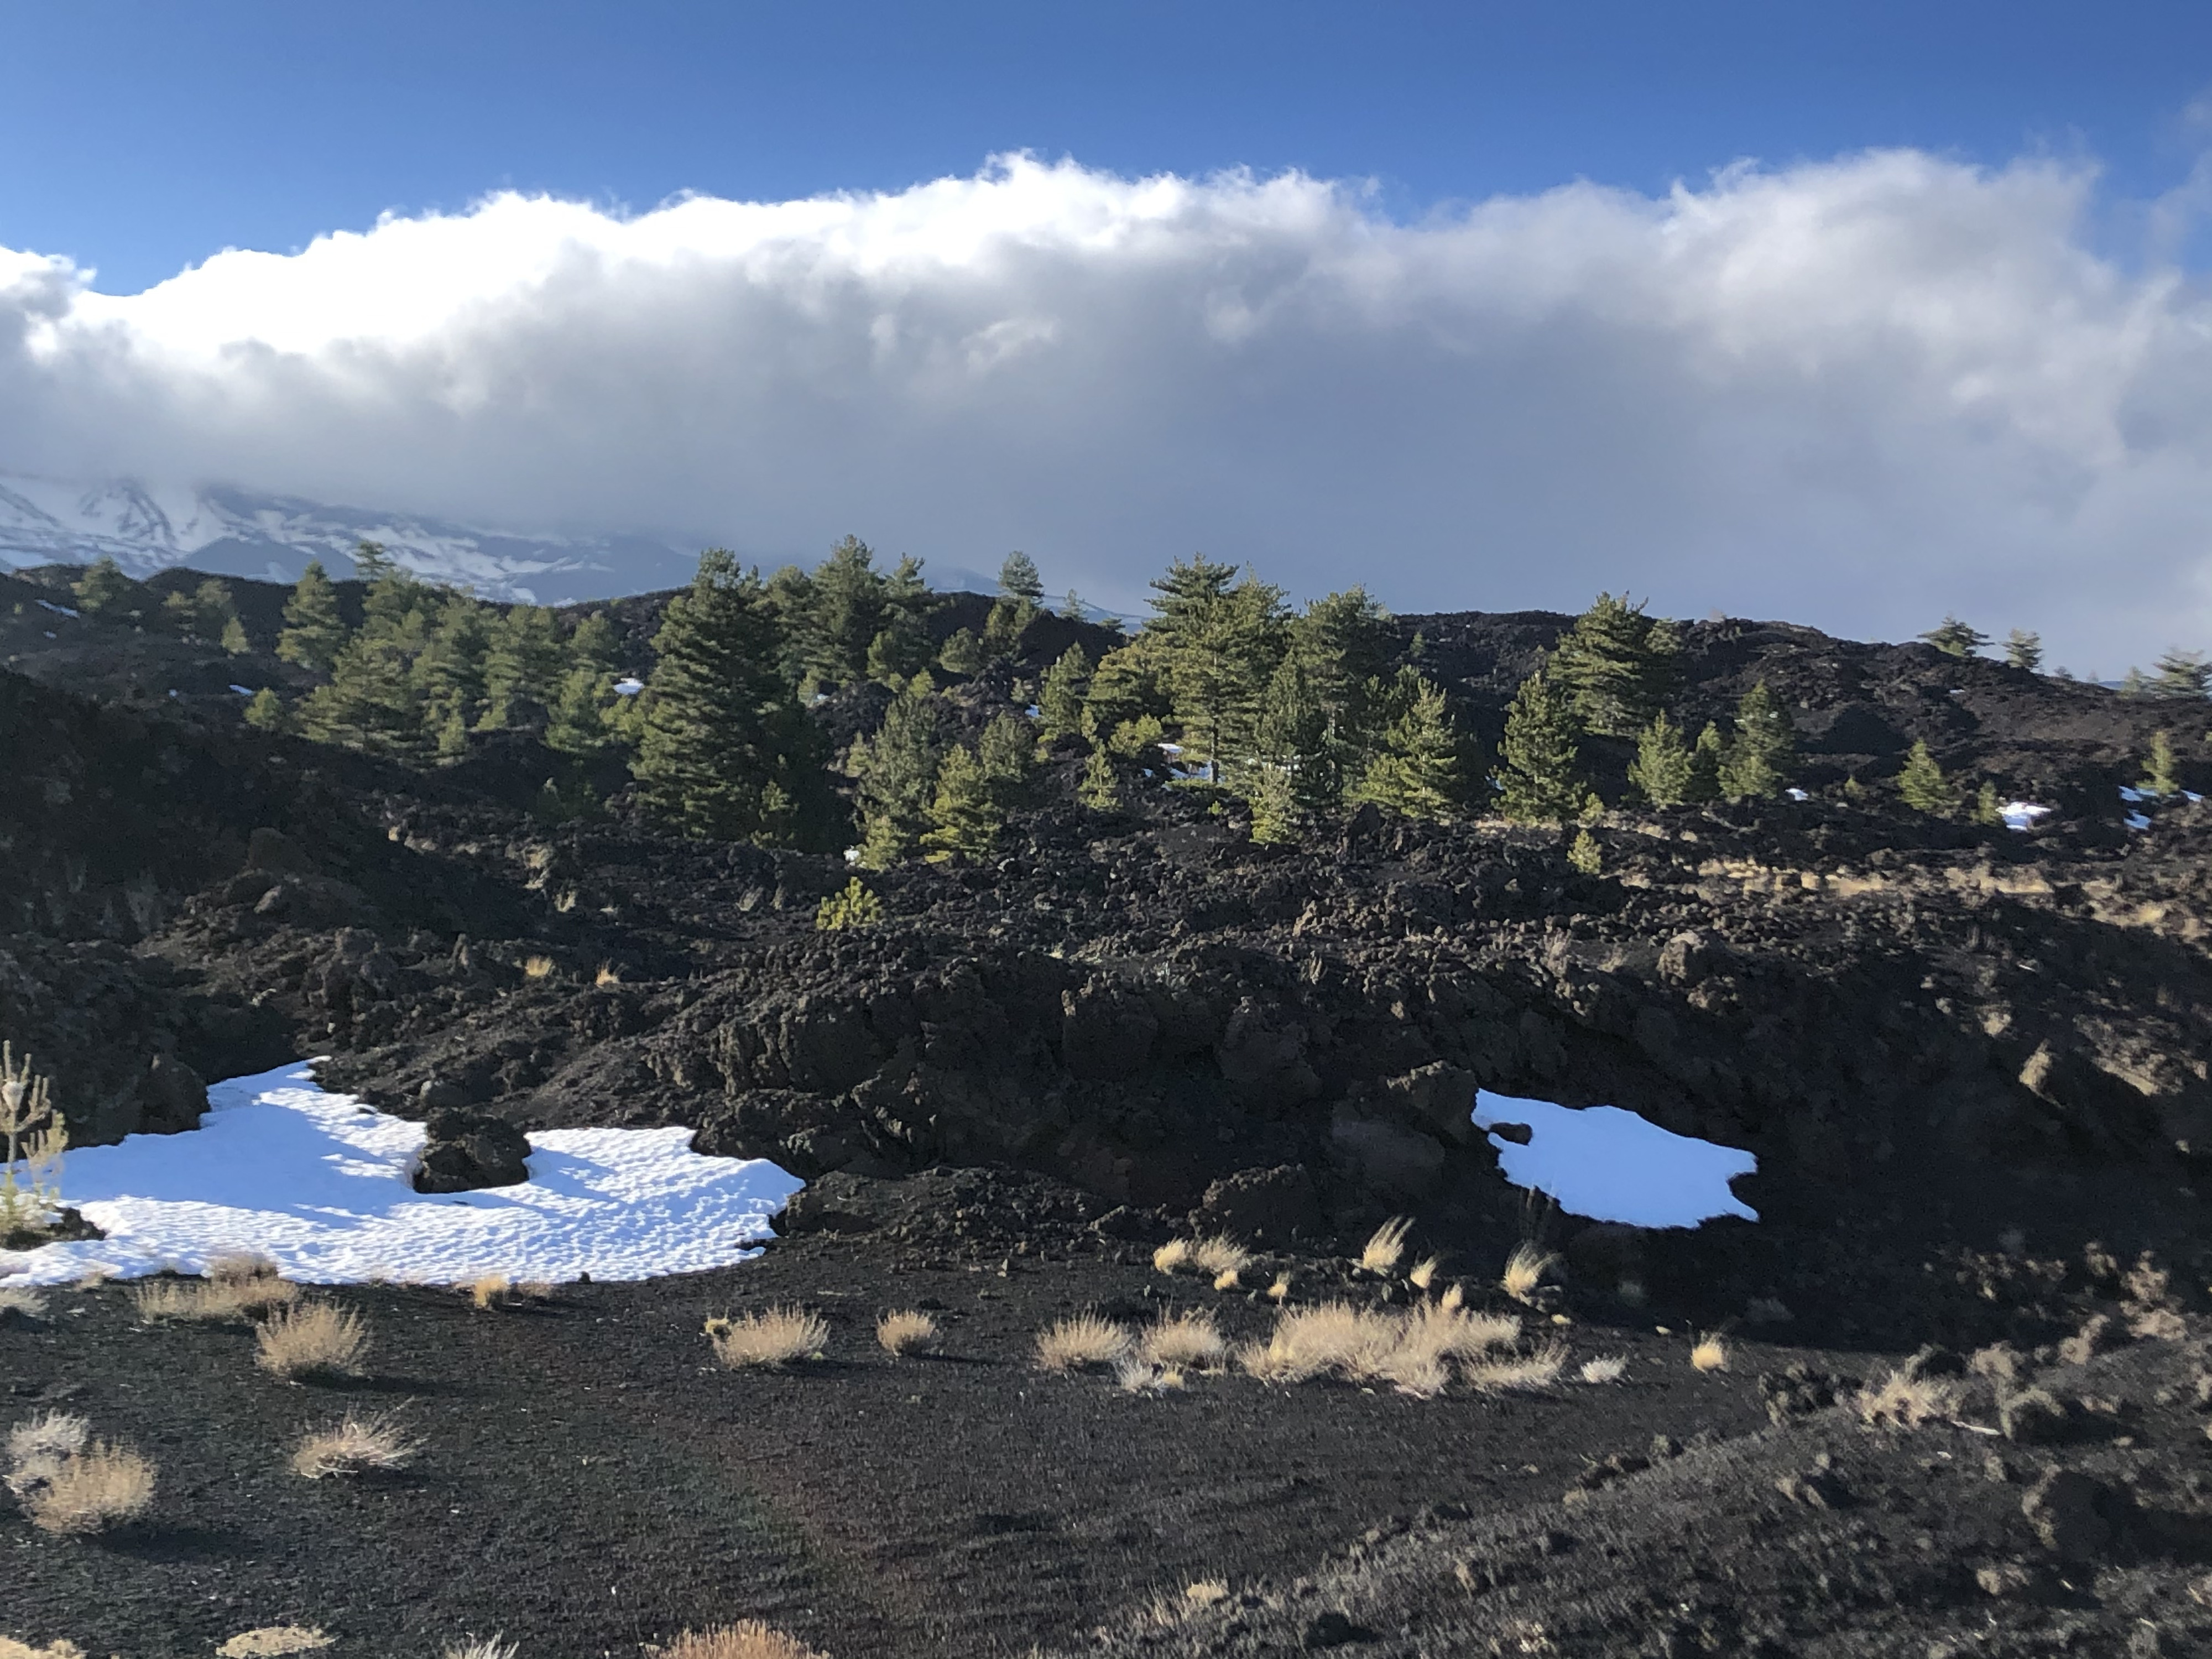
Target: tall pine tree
1618 666
314 628
897 770
1662 767
1415 771
1764 746
1538 775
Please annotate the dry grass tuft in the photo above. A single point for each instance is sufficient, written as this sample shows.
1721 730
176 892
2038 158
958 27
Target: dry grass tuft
313 1342
1172 1256
1610 1368
770 1339
1332 1338
1280 1290
750 1639
487 1291
1455 1294
1133 1374
1424 1271
1221 1256
1901 1402
606 976
908 1332
221 1299
486 1647
11 1649
1709 1352
1525 1269
536 1290
18 1302
538 968
1087 1339
1226 1279
1539 1369
1381 1253
274 1642
1206 1592
236 1267
1191 1339
356 1446
49 1438
89 1492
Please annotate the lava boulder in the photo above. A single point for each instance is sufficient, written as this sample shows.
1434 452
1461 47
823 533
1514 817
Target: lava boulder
466 1150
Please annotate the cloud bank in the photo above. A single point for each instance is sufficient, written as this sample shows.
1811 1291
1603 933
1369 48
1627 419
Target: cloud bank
1858 393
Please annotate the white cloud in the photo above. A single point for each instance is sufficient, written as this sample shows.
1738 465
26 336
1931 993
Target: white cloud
1859 393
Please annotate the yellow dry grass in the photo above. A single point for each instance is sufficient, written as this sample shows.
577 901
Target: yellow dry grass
748 1639
1083 1340
487 1290
1424 1271
538 968
356 1446
1172 1256
906 1331
93 1490
235 1266
210 1301
1206 1592
18 1302
1505 1372
1382 1252
45 1439
1227 1279
311 1340
11 1649
1133 1374
606 976
1184 1339
480 1647
1525 1269
1280 1290
1900 1402
770 1339
1220 1255
1413 1352
1709 1353
1454 1295
274 1642
1609 1368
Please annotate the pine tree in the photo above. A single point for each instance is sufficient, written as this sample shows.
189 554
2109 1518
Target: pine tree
1987 808
1278 818
850 606
1006 754
1415 771
2159 780
314 630
725 749
1707 757
1955 639
2024 649
105 591
268 712
897 771
1343 643
450 671
1662 767
523 662
1216 645
2181 674
1072 609
1764 746
1616 664
1539 780
1101 788
963 654
1584 856
372 562
1922 785
234 641
900 651
1290 745
1003 628
1059 699
1018 580
371 702
1124 686
580 723
964 817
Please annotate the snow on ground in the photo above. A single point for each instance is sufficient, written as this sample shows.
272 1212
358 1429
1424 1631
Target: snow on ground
2023 814
321 1183
1611 1166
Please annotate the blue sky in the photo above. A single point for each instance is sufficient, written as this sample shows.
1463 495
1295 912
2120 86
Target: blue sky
1943 344
140 137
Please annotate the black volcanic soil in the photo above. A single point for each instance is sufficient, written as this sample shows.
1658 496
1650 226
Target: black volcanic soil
1972 1065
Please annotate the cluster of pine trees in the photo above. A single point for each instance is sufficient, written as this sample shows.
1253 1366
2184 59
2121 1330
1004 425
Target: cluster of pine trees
427 666
1613 675
207 614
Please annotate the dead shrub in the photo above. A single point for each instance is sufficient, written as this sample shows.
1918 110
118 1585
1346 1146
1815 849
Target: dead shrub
356 1446
92 1491
1221 1256
1383 1251
487 1647
20 1302
1507 1372
1084 1340
1525 1269
748 1639
908 1332
1191 1339
769 1340
487 1291
45 1440
213 1301
1609 1368
538 968
1172 1256
274 1642
1901 1401
1709 1353
11 1649
1334 1338
313 1342
235 1266
1133 1374
1423 1273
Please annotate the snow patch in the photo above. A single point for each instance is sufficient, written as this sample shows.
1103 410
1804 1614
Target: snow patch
320 1184
2023 814
1609 1164
628 687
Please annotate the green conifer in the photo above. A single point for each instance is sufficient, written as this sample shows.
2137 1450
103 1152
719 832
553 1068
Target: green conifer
1955 639
450 671
1616 664
234 640
1059 698
896 772
105 591
964 817
1763 750
1216 645
963 654
1922 785
2024 649
314 629
1018 580
371 702
2159 780
1007 753
581 721
1988 810
1278 818
2181 674
1662 767
1290 742
1415 770
268 712
1584 855
372 562
1539 778
850 606
725 749
1707 756
523 662
1101 788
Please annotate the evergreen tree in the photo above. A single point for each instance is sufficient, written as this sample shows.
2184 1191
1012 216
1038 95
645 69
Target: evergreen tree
1954 638
850 606
1343 643
450 671
314 630
901 650
104 590
372 562
1009 619
725 749
371 702
2159 780
202 614
2024 649
897 770
1616 664
1018 580
1988 810
1059 699
1760 756
1415 769
1216 645
1278 818
1539 779
234 641
2181 674
963 654
964 817
583 707
1101 788
1124 686
1706 758
1922 785
1006 752
1662 767
1584 856
523 660
1072 609
1290 745
267 711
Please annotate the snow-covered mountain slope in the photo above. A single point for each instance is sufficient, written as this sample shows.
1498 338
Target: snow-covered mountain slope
237 532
